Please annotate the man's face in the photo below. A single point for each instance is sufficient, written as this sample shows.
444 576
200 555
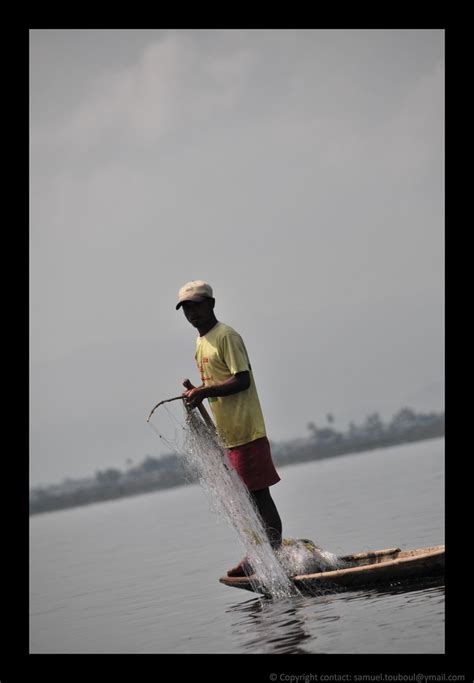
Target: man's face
198 313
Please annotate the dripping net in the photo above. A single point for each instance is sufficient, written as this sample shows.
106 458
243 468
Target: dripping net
206 460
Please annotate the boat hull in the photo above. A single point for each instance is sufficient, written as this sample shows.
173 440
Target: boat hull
366 569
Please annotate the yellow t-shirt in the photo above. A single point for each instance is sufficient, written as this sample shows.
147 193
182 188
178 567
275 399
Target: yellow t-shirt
220 354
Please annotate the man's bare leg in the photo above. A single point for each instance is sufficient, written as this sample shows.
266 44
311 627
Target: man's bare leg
272 524
269 514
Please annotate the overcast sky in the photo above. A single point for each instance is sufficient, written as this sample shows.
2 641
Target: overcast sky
300 172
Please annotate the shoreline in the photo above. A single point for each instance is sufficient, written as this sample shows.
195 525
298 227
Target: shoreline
156 474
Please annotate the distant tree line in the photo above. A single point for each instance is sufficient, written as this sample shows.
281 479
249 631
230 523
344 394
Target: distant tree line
325 441
168 471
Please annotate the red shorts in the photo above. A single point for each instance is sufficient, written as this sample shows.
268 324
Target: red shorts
254 464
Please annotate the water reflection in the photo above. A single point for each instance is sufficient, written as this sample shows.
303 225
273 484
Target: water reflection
293 626
283 626
270 627
424 586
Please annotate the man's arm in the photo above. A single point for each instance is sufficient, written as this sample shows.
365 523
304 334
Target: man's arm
238 382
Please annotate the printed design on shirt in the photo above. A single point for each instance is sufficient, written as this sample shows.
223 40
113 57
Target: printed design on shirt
201 370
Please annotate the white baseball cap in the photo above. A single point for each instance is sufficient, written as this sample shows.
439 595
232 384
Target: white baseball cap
196 290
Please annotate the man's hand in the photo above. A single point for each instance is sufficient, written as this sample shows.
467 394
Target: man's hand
194 395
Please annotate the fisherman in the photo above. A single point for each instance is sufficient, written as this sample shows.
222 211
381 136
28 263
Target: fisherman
228 385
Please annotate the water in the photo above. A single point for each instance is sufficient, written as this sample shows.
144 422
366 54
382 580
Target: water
140 575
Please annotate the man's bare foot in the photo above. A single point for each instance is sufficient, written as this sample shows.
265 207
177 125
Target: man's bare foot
244 568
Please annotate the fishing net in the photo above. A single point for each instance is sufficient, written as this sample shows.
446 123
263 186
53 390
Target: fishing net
206 460
302 556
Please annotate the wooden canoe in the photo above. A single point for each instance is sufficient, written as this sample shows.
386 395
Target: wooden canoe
362 569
